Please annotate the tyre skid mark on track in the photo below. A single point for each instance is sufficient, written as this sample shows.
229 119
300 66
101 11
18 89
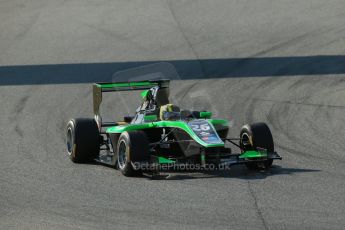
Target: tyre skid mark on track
302 143
46 136
17 117
271 120
278 126
287 43
19 130
316 131
309 155
20 105
189 43
250 118
251 110
257 208
282 110
257 99
17 112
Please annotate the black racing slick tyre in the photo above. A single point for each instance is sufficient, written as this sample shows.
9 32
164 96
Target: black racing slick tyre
254 136
132 147
82 139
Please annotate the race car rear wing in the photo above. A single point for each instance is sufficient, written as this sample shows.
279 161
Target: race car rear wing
99 88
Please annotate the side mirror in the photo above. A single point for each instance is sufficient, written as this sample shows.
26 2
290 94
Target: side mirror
150 118
128 119
205 114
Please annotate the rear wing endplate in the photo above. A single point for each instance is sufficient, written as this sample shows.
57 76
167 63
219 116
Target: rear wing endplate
99 88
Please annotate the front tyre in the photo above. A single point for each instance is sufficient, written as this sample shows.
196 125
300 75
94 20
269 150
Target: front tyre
82 139
132 147
254 136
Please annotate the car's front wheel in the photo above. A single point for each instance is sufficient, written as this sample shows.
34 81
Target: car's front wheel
254 136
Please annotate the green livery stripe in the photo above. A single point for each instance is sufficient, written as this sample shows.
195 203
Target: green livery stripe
161 124
253 154
163 160
130 127
126 84
150 118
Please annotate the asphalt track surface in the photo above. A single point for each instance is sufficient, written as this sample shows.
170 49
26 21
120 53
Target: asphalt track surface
281 62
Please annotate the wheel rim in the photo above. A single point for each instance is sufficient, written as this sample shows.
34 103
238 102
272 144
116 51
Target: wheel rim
245 141
122 159
69 140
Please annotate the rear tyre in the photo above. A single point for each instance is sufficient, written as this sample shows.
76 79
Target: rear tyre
82 139
254 136
132 147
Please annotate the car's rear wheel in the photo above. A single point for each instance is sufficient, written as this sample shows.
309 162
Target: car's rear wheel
132 148
254 136
82 139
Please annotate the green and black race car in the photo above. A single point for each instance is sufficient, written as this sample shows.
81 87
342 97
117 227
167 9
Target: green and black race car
161 134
